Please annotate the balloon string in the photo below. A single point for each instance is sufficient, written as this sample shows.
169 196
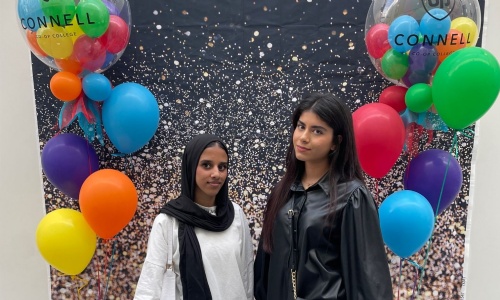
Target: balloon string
400 275
110 268
98 275
79 280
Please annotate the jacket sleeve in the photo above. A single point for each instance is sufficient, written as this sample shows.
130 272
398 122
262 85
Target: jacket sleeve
247 257
261 268
365 268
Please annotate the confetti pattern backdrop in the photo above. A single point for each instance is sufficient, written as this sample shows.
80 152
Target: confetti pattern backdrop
237 69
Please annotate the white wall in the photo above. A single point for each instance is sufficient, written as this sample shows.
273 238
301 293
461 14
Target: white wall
24 274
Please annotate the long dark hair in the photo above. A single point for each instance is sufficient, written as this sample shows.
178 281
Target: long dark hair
344 163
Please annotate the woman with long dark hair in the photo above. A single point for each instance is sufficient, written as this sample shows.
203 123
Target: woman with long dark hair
321 237
202 236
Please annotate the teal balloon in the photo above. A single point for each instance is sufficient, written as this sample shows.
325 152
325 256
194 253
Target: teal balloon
406 222
465 86
130 117
62 10
394 64
418 98
93 16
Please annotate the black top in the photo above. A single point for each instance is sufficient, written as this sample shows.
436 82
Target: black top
343 258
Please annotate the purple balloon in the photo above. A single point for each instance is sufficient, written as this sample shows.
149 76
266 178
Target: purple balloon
111 7
422 57
67 160
426 173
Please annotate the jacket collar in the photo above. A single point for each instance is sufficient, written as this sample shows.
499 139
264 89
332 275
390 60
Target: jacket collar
323 183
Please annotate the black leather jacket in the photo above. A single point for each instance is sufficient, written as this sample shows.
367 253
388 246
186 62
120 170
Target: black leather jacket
343 258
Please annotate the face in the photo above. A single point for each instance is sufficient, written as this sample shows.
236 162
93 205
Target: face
312 138
211 173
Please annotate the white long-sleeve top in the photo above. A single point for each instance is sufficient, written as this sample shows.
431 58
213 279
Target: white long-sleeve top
227 259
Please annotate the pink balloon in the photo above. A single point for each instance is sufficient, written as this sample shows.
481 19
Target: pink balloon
380 136
394 96
115 39
377 42
89 52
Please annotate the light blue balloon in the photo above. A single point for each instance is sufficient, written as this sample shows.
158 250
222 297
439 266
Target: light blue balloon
403 33
30 14
406 221
434 24
130 117
96 86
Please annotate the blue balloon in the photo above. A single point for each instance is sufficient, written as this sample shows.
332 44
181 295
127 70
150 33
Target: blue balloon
130 116
406 221
96 86
403 33
30 14
434 24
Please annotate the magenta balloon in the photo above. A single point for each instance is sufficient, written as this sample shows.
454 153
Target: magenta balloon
67 160
426 173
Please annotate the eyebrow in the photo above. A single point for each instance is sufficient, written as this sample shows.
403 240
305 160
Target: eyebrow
209 161
313 127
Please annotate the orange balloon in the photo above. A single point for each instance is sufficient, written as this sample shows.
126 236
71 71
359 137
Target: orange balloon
65 86
31 37
455 40
108 201
70 64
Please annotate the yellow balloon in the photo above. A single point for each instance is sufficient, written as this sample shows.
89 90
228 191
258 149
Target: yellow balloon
55 41
66 241
468 28
75 30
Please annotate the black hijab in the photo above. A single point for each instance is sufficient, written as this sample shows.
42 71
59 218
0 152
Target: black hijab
190 215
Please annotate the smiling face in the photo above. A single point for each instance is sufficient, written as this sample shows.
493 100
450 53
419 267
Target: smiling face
312 139
211 173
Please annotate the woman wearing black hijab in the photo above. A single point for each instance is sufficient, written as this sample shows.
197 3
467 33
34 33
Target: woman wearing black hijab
212 247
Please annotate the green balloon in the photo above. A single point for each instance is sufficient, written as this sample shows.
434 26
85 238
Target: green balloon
418 98
92 17
465 86
394 64
60 11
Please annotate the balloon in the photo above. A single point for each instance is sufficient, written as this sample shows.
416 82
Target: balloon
454 41
95 16
423 57
394 96
419 98
58 9
116 37
53 31
90 53
413 22
394 64
380 136
406 222
435 22
130 116
403 33
66 241
468 28
435 174
67 160
108 201
55 41
465 86
96 86
65 86
376 40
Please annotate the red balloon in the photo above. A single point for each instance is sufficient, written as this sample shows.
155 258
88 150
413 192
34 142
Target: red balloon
89 52
394 96
377 42
380 136
115 39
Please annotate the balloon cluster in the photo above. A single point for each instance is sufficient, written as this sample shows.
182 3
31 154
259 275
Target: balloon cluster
82 38
75 36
